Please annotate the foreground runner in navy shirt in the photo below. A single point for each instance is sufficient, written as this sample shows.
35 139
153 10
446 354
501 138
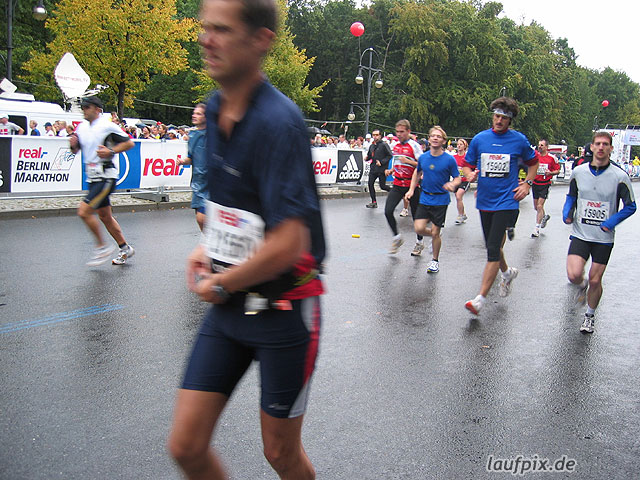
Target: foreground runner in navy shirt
496 153
262 247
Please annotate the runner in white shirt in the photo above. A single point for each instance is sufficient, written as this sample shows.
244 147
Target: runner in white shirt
100 141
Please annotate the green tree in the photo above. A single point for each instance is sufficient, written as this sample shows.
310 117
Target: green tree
120 44
286 66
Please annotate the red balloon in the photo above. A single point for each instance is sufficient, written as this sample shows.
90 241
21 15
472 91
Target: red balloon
605 103
357 29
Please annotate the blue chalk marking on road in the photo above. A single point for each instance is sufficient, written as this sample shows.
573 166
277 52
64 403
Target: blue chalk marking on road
58 317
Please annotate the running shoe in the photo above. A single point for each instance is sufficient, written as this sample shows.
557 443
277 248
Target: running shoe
461 219
505 283
125 253
396 244
475 305
100 255
404 212
588 323
372 205
544 221
535 233
417 250
434 267
511 232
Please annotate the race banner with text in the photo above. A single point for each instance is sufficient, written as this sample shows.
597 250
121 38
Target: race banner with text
44 165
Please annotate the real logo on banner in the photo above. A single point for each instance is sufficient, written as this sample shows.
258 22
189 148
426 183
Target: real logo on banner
350 166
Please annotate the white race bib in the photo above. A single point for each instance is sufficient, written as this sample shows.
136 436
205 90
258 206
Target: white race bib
495 165
542 169
231 235
592 212
94 169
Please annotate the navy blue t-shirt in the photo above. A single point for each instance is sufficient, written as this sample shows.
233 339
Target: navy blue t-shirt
265 167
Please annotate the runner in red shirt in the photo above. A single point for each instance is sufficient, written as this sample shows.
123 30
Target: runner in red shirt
462 146
548 166
405 159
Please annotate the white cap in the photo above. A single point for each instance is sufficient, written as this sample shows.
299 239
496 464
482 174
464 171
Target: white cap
4 115
368 135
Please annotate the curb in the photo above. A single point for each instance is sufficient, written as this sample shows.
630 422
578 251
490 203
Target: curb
139 207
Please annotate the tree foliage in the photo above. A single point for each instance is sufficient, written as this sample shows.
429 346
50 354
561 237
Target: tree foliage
445 61
286 67
120 43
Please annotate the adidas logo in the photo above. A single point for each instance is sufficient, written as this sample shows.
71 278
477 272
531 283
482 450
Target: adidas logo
350 171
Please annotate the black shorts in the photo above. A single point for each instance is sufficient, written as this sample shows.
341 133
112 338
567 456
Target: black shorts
463 186
540 191
285 343
494 225
599 252
436 214
99 192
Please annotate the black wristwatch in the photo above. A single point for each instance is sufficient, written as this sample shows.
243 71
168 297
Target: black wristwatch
113 152
220 292
530 182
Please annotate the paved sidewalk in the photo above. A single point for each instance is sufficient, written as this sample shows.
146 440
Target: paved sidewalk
16 207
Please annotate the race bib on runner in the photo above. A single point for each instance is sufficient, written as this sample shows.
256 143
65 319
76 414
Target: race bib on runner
592 212
495 165
231 235
542 169
94 169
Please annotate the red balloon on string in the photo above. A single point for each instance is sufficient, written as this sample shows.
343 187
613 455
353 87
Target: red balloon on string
357 29
605 103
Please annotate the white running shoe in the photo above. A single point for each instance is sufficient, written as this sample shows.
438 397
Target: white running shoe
417 250
100 255
125 253
461 219
505 283
535 233
396 244
404 212
588 323
434 267
475 305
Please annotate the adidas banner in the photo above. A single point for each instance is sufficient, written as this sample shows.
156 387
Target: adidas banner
350 166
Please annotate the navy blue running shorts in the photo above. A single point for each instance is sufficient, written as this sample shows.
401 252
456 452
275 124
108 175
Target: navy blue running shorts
99 192
283 342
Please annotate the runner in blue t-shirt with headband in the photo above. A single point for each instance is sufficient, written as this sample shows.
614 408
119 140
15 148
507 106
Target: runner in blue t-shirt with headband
496 153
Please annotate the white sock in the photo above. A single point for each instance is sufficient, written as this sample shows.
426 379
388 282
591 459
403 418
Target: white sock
397 237
480 299
537 225
591 311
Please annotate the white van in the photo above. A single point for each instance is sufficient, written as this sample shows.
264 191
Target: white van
22 108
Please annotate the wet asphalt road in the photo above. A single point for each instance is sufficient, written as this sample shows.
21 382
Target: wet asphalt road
408 386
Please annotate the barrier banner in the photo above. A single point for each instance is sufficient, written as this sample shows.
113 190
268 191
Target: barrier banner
44 165
325 163
158 164
350 166
632 137
5 164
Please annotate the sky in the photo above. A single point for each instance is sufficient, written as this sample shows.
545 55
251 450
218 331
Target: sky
602 33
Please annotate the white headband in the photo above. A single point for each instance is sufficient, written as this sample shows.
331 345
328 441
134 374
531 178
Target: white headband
499 111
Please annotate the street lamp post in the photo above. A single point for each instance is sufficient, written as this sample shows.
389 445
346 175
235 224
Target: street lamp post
39 13
371 72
